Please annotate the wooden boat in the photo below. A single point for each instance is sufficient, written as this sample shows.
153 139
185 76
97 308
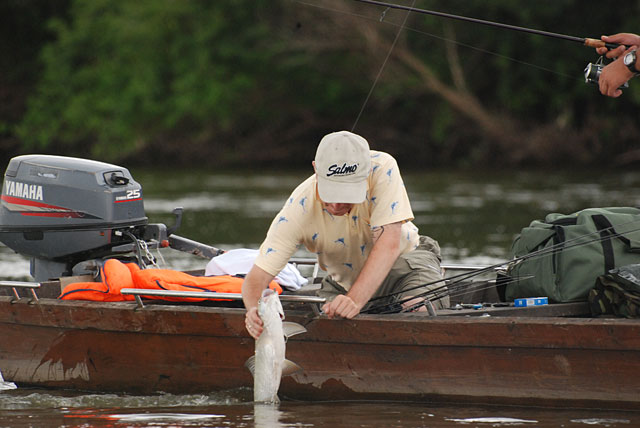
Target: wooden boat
547 355
68 213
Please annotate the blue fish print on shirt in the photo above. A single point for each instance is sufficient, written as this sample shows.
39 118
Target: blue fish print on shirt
394 205
290 201
282 219
355 219
314 237
373 200
330 215
375 168
302 202
389 172
349 265
362 248
269 251
340 241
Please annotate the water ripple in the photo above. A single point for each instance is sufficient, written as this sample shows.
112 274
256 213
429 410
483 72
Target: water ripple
21 399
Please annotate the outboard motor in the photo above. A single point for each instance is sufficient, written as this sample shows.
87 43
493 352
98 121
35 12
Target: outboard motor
63 211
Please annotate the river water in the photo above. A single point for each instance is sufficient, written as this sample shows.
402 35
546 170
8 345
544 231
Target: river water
474 216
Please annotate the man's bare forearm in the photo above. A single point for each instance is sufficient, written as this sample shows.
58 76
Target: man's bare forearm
254 283
383 255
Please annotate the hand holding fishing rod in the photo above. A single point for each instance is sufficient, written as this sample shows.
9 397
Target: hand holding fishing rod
614 45
624 67
622 40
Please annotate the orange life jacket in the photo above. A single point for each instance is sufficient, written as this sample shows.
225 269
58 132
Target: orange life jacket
117 275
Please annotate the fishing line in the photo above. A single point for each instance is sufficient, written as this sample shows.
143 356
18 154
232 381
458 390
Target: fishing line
375 82
444 39
442 291
497 55
439 292
458 288
594 43
573 243
463 289
539 253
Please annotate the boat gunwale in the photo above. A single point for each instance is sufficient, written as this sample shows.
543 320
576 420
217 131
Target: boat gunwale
390 329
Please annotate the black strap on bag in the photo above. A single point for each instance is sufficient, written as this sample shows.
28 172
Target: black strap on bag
558 238
607 231
604 226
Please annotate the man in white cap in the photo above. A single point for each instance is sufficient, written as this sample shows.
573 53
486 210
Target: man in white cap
354 213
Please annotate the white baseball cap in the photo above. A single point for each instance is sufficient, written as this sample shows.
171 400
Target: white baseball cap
343 162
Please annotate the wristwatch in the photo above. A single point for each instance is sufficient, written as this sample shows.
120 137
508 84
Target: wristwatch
630 61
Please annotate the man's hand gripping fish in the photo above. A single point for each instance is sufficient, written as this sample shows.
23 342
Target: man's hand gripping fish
268 364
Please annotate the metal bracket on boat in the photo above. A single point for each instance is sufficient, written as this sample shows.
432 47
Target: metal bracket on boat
304 261
14 285
138 293
430 308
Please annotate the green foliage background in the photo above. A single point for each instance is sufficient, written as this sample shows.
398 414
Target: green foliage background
258 82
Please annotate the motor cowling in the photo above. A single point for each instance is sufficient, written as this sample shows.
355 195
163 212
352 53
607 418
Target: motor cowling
60 210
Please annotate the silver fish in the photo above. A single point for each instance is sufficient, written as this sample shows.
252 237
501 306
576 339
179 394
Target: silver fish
6 385
268 364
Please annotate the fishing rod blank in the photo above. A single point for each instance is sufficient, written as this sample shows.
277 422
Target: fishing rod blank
447 282
593 43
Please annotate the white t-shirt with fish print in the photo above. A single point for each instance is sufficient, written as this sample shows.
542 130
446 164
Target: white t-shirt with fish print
342 243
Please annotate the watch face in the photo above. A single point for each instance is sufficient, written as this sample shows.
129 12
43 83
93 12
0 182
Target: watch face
629 58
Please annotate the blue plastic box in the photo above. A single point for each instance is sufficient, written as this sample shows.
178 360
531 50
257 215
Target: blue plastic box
531 301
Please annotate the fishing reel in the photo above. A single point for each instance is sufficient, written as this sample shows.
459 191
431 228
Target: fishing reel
592 72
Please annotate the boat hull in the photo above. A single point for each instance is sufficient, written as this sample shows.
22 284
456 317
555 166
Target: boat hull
194 349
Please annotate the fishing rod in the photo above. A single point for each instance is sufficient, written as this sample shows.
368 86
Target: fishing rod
576 242
591 72
593 43
455 291
448 285
442 290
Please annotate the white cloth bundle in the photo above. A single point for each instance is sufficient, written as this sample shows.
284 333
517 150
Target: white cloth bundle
239 261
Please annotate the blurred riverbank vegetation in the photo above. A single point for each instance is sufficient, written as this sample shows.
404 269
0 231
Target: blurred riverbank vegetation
259 82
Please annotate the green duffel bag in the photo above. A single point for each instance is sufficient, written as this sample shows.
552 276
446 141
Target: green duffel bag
561 257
